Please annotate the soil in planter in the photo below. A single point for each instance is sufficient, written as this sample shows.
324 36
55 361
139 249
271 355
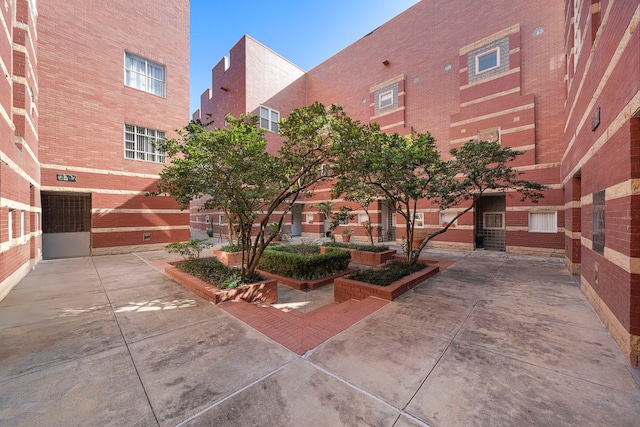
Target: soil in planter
388 274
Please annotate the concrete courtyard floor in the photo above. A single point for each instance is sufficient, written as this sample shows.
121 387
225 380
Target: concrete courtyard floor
493 340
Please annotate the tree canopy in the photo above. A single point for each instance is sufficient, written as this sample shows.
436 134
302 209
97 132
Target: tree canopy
231 167
404 170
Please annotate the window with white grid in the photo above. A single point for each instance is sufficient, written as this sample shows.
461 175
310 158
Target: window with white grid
543 222
142 74
269 119
139 144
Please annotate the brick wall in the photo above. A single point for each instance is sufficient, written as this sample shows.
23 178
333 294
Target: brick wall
601 139
19 168
85 105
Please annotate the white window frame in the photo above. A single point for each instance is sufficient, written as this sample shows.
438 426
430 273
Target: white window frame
138 144
385 99
484 220
308 219
418 220
325 169
269 119
554 222
144 79
443 218
362 217
495 50
220 219
207 219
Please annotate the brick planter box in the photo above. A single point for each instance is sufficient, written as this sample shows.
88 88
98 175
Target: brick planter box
372 259
303 284
228 258
346 289
265 291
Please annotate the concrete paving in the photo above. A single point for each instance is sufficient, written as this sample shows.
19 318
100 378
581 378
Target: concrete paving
493 340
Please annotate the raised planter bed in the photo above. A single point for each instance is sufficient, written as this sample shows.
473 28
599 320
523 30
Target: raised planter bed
265 291
301 285
228 258
346 289
372 259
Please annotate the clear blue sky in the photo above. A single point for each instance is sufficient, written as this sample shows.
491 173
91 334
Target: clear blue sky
306 32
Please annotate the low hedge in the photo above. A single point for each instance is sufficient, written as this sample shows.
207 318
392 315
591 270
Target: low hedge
392 271
303 249
216 273
357 247
284 262
231 248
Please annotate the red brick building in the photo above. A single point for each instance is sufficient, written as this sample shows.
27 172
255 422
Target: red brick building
501 79
600 170
20 235
516 71
87 91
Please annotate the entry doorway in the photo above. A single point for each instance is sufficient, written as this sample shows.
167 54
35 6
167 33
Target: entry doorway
66 225
387 220
296 220
490 222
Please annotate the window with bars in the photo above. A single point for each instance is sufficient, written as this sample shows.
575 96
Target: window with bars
64 213
543 222
144 75
139 144
493 220
269 119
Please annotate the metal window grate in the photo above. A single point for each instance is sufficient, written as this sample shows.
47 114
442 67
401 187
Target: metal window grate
64 213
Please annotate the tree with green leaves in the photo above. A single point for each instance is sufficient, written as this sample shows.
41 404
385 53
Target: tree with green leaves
232 169
405 170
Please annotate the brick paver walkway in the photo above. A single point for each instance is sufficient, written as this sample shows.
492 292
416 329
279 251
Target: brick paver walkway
301 332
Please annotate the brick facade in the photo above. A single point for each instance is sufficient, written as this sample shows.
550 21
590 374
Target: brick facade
63 108
509 71
88 104
602 124
20 236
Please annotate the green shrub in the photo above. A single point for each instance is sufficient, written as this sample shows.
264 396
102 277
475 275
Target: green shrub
303 267
231 248
215 273
190 249
392 271
303 249
357 247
